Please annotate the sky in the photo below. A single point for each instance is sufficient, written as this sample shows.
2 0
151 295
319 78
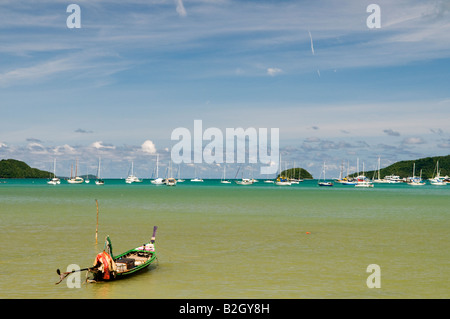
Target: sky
118 86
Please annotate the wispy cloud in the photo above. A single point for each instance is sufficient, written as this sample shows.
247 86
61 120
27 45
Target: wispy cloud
35 72
413 140
83 131
391 132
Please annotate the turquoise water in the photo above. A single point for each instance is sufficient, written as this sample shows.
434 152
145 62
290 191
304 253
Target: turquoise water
229 241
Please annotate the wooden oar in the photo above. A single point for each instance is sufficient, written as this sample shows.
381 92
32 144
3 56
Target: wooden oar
63 275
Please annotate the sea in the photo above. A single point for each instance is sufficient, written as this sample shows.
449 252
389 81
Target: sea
228 241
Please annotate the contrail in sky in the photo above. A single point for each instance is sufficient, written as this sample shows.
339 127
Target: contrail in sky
312 45
180 8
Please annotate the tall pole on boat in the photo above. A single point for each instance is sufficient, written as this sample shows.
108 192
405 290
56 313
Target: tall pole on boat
96 228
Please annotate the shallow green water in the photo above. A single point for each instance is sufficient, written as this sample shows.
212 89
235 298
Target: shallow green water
229 241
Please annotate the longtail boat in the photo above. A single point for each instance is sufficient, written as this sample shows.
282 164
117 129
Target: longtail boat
108 267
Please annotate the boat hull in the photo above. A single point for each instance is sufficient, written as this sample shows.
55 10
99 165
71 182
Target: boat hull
326 184
126 272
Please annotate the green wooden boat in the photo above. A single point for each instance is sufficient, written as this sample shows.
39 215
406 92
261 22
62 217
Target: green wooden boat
129 262
120 266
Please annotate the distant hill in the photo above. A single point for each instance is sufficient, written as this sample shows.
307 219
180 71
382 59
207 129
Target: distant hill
298 173
405 168
11 168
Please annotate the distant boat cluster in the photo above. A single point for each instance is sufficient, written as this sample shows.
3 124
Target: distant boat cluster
363 181
75 179
359 181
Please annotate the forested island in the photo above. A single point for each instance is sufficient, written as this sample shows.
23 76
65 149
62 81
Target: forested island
11 168
296 173
404 169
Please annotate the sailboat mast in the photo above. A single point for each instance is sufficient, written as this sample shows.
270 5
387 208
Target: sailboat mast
379 166
98 173
157 159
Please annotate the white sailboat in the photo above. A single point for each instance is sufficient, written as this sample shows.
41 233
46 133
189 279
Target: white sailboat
282 180
87 181
437 180
55 180
76 179
379 179
224 180
196 179
99 181
132 178
415 181
158 180
179 180
348 180
170 181
292 179
245 181
362 180
324 182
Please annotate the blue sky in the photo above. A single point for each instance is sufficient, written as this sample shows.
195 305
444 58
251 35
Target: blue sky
119 85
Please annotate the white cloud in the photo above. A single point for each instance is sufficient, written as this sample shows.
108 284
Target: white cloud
148 147
273 71
64 149
99 145
36 148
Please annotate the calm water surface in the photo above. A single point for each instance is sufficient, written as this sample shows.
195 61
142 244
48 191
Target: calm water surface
229 241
